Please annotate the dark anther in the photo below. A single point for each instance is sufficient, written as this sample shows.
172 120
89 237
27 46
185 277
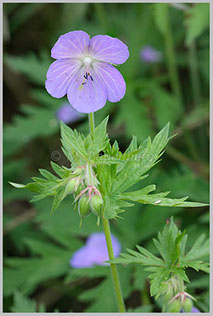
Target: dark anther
86 77
91 77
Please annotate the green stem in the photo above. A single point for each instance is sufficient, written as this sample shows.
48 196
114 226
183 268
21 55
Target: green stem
194 73
91 122
113 266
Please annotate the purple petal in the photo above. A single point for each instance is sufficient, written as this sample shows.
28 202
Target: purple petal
67 114
59 76
81 258
195 310
70 45
89 97
149 54
112 79
108 49
94 252
97 245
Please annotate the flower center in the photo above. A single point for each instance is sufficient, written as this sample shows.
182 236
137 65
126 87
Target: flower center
87 61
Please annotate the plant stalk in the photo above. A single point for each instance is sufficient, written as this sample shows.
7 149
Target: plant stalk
114 271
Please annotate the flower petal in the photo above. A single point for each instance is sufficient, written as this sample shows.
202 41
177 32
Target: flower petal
59 76
81 258
89 97
108 49
112 79
71 45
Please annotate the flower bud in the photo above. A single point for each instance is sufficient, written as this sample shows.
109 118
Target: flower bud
70 187
83 206
78 171
79 189
187 305
96 205
174 306
167 291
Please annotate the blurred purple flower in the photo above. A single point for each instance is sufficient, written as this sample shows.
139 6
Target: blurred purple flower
193 310
94 252
67 114
83 70
150 55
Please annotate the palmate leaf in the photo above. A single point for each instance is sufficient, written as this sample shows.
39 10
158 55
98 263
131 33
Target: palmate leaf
171 246
145 159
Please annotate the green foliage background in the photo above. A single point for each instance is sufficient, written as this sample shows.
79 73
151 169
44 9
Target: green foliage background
37 246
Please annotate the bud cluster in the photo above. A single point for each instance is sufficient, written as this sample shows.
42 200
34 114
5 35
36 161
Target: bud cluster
87 196
185 303
174 298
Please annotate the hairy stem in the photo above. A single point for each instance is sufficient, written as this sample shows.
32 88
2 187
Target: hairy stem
114 271
91 122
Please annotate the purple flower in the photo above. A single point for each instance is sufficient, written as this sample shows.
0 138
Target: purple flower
83 70
67 114
193 310
150 55
94 252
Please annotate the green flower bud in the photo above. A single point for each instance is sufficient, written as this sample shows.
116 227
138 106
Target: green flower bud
78 171
167 291
79 189
187 305
70 188
174 306
96 204
83 206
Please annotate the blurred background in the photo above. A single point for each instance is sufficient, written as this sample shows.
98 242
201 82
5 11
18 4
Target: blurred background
167 77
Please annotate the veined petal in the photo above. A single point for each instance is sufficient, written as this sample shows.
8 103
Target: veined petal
108 49
112 79
59 76
88 97
71 45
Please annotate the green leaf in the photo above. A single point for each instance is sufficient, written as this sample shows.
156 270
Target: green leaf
46 174
200 249
197 21
73 141
144 160
58 170
30 65
17 185
97 140
199 265
58 198
171 245
159 199
22 304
